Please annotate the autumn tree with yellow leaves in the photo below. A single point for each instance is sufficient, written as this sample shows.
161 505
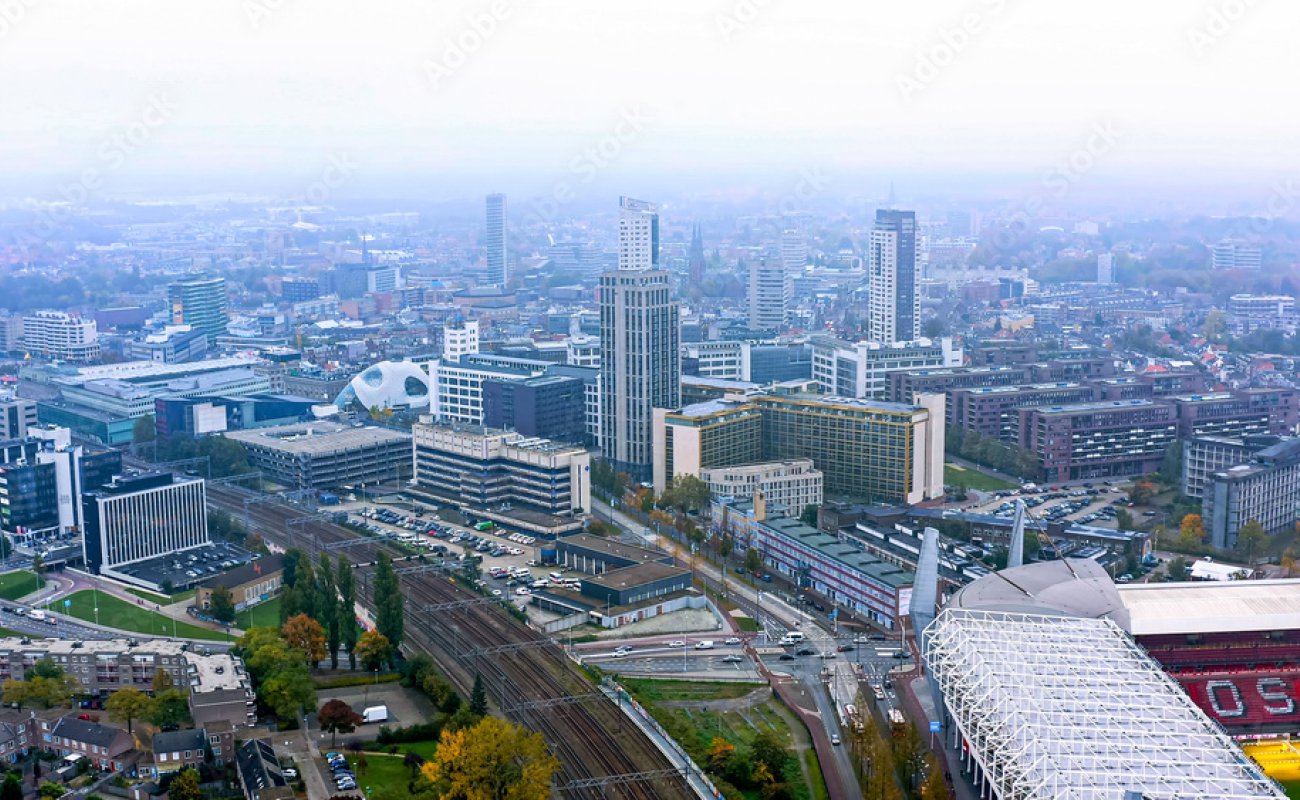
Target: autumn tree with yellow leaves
493 760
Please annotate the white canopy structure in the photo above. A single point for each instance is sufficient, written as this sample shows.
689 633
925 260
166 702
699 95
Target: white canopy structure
1063 708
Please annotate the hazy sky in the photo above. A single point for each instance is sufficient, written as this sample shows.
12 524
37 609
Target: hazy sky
1157 88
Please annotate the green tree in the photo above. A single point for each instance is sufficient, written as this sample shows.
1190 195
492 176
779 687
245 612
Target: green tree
935 787
1171 465
38 566
129 704
329 612
599 527
346 612
170 707
222 605
687 493
12 788
52 791
1177 570
1251 539
726 544
753 560
809 516
288 691
143 431
1123 519
185 786
388 603
478 703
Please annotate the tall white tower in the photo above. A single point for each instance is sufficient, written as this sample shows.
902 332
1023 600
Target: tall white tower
895 306
771 287
498 265
638 234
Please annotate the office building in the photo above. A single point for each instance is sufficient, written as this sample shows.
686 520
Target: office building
29 494
640 336
498 260
459 339
172 345
1266 490
201 303
11 332
862 369
254 582
768 296
1205 455
548 406
326 455
906 384
718 433
895 305
299 289
869 450
138 517
16 416
1105 268
581 350
793 485
794 251
760 362
638 235
456 388
839 571
1231 254
994 411
490 468
1220 414
199 416
57 336
1103 439
1251 312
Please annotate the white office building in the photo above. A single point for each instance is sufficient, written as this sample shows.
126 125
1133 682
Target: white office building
794 484
459 340
861 369
1105 268
498 263
638 234
895 305
139 517
58 336
770 292
582 350
794 250
1233 254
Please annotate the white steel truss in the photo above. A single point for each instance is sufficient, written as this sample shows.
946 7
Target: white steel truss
1064 708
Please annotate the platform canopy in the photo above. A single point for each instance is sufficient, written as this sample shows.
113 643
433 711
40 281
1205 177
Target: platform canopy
1057 708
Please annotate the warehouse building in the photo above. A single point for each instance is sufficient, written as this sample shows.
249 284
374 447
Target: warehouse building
636 584
594 555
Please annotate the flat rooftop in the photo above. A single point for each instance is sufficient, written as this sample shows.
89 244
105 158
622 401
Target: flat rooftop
611 547
1212 606
316 438
635 575
1101 405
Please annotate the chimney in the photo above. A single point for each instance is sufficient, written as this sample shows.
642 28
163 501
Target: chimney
760 506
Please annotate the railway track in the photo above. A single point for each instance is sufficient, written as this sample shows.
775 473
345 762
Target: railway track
526 674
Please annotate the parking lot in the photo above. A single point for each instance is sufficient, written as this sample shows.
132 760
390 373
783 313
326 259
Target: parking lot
1087 505
511 562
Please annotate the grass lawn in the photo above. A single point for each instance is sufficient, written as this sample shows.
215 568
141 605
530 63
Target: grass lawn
265 614
1292 789
161 599
813 767
381 773
14 585
117 613
747 624
974 479
658 690
425 748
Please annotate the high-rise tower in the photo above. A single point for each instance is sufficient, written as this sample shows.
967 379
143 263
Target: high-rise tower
640 334
891 269
202 303
498 264
771 288
695 262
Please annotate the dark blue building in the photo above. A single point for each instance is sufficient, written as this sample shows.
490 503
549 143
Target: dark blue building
548 406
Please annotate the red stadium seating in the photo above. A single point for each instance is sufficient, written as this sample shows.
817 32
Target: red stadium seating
1245 698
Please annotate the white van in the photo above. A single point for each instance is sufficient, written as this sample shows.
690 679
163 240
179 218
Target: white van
793 637
375 714
706 644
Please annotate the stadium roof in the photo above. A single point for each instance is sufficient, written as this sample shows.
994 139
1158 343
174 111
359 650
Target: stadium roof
1064 708
1212 606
